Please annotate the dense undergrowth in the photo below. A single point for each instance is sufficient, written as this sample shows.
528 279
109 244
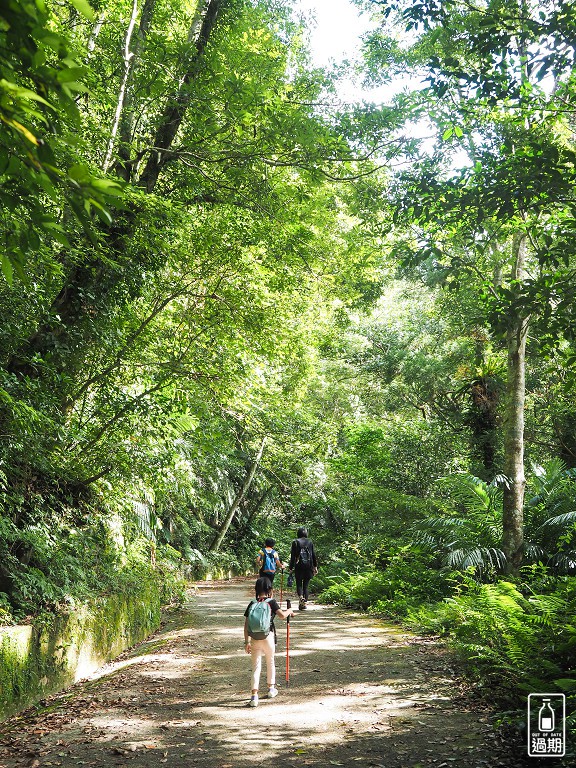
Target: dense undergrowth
60 550
514 634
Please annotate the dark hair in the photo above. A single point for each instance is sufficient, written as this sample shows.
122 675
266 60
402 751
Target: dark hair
269 543
263 586
302 533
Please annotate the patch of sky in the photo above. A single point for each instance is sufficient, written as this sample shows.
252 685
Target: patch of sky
335 30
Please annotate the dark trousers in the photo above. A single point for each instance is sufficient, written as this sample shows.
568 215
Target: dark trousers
268 575
303 576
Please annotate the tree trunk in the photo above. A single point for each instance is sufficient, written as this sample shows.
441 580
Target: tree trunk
175 109
94 34
126 126
219 538
256 507
96 278
513 502
128 65
483 422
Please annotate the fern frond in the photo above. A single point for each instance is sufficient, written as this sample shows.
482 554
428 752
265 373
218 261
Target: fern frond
549 604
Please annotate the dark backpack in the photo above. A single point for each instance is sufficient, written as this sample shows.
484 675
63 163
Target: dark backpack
269 561
305 556
259 619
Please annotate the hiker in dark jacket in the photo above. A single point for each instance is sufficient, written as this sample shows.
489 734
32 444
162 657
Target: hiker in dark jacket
304 563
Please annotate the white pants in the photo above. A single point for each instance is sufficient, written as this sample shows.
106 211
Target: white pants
264 648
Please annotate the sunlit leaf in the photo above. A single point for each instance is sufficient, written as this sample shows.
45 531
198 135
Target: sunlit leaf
7 269
84 7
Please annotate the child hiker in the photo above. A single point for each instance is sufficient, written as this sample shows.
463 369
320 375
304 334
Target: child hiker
260 636
268 561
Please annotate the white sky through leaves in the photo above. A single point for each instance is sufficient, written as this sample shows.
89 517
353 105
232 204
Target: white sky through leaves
335 29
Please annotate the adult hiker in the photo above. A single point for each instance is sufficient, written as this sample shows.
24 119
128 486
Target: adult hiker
260 635
268 561
304 563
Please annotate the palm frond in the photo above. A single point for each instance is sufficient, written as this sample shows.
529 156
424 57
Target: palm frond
479 558
534 552
472 493
470 539
563 562
500 481
497 557
559 521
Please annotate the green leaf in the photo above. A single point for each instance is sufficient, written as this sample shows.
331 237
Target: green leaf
74 86
79 173
107 187
52 40
101 211
83 7
70 75
7 269
4 159
56 231
23 93
60 237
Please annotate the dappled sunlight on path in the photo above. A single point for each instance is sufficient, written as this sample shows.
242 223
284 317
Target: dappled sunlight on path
360 693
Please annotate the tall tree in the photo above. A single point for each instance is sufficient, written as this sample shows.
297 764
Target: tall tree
513 497
484 65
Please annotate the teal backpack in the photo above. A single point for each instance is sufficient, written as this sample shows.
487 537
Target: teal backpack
259 619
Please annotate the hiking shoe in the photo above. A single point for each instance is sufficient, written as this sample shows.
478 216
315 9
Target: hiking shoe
302 604
272 692
254 701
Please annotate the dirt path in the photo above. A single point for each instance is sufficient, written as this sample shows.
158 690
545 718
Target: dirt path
360 693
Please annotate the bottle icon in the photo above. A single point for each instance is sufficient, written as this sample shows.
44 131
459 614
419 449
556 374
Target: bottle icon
546 717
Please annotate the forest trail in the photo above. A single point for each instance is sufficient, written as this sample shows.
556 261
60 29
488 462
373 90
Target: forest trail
361 693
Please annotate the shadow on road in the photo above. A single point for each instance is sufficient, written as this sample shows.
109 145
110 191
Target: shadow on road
360 693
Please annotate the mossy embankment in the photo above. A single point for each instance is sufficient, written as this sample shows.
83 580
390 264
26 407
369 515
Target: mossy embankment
56 651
